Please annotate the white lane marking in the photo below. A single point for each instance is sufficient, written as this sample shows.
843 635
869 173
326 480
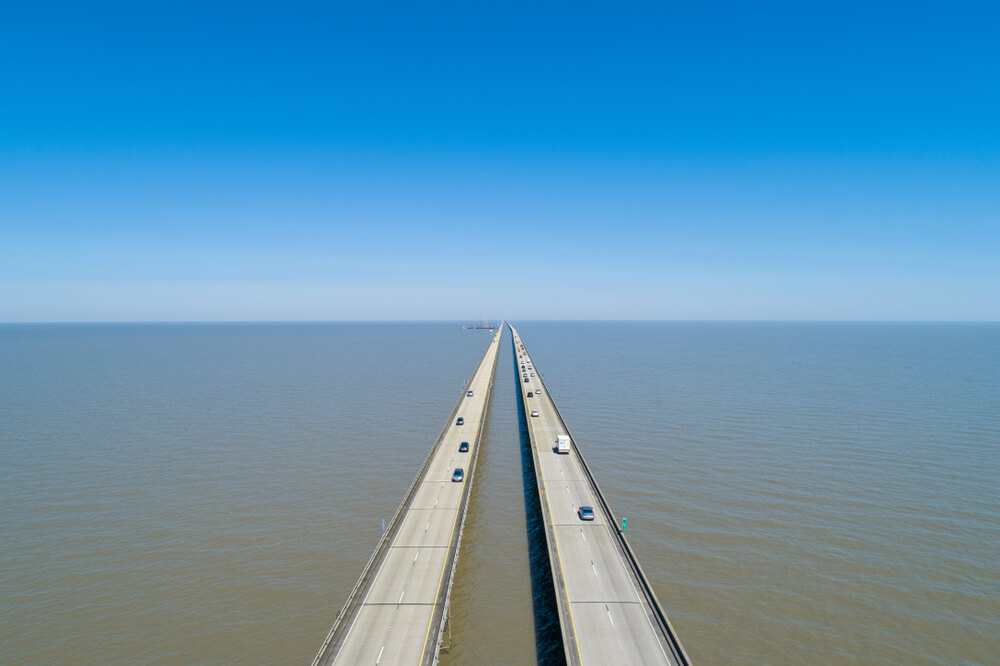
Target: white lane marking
357 615
609 615
436 501
582 534
404 592
628 574
427 527
595 573
415 558
379 657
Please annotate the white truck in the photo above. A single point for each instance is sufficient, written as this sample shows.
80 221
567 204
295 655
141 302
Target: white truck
562 444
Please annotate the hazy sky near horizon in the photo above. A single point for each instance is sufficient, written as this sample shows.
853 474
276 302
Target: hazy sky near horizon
172 161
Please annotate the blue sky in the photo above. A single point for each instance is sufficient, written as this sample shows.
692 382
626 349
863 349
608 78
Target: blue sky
162 161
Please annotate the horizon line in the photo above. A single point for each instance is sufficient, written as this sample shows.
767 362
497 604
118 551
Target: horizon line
499 321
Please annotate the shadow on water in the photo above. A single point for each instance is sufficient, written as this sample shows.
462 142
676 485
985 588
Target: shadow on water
548 637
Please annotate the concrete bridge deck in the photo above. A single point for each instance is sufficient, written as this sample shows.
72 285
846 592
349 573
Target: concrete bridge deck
397 611
608 611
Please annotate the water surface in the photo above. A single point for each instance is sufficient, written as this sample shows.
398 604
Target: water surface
797 493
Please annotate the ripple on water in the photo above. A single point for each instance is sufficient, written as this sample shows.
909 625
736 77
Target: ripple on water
796 493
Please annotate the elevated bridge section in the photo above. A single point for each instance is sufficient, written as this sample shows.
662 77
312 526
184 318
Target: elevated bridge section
608 611
397 611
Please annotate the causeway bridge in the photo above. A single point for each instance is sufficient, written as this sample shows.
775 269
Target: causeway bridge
397 611
608 611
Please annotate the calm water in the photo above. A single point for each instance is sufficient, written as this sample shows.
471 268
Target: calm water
797 493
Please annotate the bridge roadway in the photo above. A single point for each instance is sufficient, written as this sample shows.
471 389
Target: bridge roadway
397 611
608 611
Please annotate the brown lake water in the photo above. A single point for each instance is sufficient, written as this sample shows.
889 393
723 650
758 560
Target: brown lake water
797 493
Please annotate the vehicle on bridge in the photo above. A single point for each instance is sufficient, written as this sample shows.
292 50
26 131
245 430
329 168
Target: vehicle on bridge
562 444
458 475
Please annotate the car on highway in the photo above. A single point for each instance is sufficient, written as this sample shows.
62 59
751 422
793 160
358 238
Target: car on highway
459 474
532 374
526 380
469 394
463 447
586 513
530 394
459 420
534 412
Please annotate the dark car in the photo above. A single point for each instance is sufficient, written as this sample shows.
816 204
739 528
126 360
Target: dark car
586 513
526 380
463 447
460 474
530 394
460 421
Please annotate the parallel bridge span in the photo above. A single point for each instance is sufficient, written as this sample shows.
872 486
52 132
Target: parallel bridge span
397 611
608 611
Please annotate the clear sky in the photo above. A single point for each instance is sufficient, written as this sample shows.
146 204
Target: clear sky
163 161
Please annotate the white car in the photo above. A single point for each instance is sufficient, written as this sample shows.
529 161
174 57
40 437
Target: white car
534 412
